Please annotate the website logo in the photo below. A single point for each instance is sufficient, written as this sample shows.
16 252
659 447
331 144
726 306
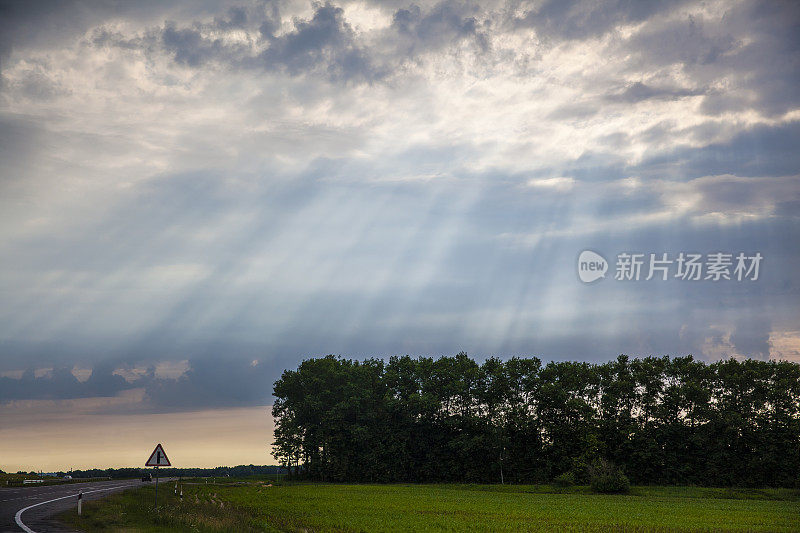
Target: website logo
663 266
591 266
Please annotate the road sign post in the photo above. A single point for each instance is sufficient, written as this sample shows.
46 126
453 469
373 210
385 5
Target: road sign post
158 458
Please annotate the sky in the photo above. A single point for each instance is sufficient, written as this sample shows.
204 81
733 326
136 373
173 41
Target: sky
197 195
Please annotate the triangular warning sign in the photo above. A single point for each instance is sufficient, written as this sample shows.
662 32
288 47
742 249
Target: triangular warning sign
158 458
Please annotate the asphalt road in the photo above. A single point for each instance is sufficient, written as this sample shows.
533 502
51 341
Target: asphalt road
16 502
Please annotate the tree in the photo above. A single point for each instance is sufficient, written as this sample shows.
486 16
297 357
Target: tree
660 420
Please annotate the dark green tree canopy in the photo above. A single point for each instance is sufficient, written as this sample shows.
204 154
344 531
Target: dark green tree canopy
663 420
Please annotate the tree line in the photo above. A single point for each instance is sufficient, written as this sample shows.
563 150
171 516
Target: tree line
134 472
662 420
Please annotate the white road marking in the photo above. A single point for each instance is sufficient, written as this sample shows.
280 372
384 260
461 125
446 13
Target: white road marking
18 516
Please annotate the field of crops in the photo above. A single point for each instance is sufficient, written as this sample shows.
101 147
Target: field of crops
261 506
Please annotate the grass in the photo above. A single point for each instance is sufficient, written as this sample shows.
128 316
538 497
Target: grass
301 507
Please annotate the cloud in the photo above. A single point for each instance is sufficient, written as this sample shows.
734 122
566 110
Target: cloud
61 383
638 91
162 386
325 39
573 19
559 184
217 382
41 23
444 24
188 46
751 337
218 184
729 198
689 41
324 43
763 150
785 345
749 53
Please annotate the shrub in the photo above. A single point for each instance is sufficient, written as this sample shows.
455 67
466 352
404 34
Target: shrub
567 479
606 478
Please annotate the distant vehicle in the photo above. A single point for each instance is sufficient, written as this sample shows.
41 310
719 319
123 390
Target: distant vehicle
147 477
67 477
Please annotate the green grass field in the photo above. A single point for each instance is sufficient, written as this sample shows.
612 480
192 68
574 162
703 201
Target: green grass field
254 506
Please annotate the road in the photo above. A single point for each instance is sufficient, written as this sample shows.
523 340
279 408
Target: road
19 504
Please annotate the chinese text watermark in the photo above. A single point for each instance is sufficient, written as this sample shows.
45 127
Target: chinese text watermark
684 266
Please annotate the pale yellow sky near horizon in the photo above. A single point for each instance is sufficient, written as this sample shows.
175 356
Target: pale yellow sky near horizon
63 435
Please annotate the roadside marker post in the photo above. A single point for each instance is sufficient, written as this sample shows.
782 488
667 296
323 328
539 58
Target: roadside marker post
80 500
158 458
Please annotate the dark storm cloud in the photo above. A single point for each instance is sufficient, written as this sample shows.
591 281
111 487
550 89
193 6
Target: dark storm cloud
208 382
60 383
632 93
216 382
237 18
189 47
687 41
768 64
751 335
189 44
762 150
574 19
324 42
724 194
637 92
325 39
445 23
21 21
25 23
752 50
754 46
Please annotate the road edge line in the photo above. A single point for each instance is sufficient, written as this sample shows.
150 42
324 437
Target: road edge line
18 516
